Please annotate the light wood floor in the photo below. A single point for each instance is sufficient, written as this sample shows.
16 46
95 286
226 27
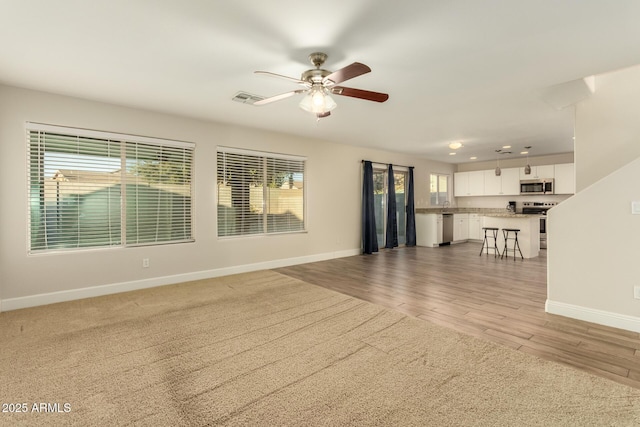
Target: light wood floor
498 300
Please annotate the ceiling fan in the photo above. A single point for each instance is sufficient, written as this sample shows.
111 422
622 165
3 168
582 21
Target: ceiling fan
319 84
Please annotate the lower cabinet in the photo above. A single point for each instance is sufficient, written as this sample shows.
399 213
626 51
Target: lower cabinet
428 229
465 227
475 227
460 227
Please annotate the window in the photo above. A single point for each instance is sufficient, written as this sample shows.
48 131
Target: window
92 189
259 193
439 189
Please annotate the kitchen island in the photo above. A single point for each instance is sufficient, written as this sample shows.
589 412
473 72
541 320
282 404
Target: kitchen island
528 236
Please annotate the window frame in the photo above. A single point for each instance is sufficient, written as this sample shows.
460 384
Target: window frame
125 143
265 158
449 193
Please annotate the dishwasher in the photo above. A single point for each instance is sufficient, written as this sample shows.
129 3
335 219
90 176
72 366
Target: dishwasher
447 228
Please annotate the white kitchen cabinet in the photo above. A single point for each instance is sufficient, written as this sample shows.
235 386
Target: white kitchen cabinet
475 227
460 227
468 183
539 172
510 182
507 184
461 184
476 183
428 229
565 179
492 183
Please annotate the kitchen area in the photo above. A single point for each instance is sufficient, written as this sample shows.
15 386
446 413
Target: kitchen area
515 198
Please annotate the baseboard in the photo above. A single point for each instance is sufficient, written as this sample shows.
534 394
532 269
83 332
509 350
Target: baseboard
95 291
607 318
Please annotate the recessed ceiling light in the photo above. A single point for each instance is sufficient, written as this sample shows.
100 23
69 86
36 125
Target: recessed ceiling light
473 158
452 154
524 152
506 146
455 145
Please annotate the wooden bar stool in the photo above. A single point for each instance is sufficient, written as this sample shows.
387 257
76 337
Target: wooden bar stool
485 242
506 233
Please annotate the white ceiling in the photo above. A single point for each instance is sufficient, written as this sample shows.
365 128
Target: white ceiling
471 71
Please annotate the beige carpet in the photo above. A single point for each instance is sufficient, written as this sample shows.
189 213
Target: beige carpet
264 349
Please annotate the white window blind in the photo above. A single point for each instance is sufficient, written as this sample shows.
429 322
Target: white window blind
93 189
259 193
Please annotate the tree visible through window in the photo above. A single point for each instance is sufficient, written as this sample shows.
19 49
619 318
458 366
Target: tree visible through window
92 189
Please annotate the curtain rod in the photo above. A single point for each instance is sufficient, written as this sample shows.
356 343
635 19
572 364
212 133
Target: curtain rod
387 164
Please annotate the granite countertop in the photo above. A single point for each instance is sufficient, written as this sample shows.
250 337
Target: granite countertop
494 212
509 215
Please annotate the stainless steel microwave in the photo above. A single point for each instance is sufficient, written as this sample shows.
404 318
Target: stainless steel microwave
536 186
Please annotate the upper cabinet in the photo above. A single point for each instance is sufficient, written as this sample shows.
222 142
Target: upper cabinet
507 184
539 172
565 179
468 183
486 183
510 182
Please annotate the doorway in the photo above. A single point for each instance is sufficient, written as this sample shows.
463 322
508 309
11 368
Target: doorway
380 192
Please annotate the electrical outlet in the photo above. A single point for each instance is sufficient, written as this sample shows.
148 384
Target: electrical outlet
636 292
145 262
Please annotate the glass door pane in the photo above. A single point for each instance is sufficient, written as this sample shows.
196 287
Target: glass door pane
401 205
379 191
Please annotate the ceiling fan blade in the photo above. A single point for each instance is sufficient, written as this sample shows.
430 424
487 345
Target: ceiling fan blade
350 71
279 97
359 93
267 73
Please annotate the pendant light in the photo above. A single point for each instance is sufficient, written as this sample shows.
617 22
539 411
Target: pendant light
527 168
498 170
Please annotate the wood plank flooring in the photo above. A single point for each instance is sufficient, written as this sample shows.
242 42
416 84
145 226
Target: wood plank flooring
497 300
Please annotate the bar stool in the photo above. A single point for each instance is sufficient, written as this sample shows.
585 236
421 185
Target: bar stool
507 236
485 242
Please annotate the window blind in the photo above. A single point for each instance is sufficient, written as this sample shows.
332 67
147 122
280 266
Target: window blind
259 193
90 189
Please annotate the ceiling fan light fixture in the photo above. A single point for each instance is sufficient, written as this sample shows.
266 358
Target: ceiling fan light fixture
318 101
319 84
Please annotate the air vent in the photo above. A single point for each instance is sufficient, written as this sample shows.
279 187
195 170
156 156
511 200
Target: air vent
247 98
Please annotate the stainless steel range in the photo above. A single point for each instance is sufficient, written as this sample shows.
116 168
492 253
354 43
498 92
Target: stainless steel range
539 208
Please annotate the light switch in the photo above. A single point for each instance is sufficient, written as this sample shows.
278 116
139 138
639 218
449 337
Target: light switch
635 208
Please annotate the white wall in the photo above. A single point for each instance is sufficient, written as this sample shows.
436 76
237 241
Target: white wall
607 126
333 203
593 239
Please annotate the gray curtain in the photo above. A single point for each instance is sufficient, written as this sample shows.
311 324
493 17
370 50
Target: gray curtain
391 238
411 212
369 235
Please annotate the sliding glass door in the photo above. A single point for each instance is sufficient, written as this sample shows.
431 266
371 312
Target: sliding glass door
380 198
